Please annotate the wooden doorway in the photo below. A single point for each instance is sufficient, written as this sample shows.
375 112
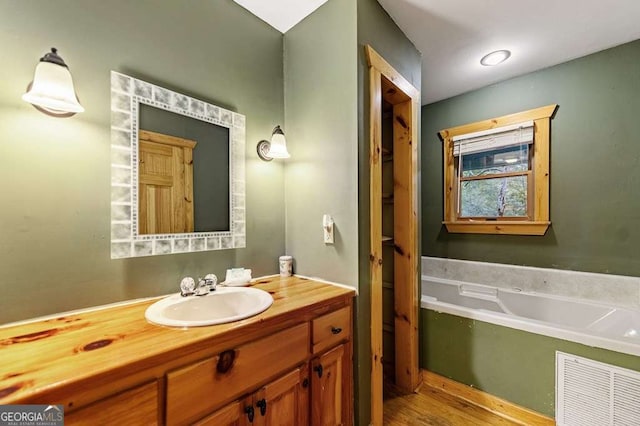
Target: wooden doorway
386 85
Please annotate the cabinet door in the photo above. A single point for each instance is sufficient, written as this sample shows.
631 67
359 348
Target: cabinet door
285 401
234 414
137 406
327 388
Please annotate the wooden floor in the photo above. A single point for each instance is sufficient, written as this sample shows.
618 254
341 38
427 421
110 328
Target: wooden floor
432 406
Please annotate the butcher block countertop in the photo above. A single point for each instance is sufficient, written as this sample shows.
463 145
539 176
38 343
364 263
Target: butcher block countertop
79 358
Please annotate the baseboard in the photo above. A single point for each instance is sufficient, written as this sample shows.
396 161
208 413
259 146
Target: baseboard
498 406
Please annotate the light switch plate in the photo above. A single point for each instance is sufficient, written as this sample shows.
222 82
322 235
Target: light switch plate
327 226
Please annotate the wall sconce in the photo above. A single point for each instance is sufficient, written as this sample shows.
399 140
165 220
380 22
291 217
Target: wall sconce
51 90
277 148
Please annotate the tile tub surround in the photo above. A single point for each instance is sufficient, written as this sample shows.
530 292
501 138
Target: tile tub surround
578 320
614 289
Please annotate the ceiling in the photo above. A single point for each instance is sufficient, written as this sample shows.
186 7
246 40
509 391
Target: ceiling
281 14
454 34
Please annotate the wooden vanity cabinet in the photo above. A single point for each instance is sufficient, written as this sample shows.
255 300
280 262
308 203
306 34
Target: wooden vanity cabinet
292 365
307 370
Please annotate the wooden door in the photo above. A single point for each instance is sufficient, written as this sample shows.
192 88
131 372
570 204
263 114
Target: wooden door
284 402
327 388
165 184
385 83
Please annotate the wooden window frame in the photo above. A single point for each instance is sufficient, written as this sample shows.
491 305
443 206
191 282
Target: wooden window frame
538 220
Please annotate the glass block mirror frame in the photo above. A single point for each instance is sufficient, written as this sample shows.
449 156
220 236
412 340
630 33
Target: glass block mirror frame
127 93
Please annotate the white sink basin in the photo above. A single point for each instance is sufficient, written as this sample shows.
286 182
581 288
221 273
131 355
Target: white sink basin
226 304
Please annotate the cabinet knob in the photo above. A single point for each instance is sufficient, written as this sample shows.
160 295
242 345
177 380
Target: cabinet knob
225 361
318 369
305 383
250 413
336 330
262 405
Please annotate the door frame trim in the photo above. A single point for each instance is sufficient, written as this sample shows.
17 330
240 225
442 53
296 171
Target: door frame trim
388 84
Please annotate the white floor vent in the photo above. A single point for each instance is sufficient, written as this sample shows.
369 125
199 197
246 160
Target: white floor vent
591 393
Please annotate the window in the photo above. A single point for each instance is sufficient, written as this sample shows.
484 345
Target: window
493 172
497 174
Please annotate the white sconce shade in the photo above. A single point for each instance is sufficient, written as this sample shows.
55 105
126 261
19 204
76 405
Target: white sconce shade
277 148
52 87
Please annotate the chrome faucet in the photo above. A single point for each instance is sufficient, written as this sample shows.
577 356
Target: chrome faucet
205 286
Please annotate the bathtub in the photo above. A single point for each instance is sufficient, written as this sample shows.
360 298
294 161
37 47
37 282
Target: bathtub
586 322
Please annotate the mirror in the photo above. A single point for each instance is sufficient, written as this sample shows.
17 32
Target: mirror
206 200
183 166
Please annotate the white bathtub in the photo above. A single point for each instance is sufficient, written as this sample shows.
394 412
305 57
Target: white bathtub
594 324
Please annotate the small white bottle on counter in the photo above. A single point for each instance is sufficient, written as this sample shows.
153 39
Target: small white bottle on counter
286 266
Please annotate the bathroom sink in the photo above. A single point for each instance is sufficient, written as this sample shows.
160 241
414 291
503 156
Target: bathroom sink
225 304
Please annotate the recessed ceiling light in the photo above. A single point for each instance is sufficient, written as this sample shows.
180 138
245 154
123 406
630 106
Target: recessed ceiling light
495 58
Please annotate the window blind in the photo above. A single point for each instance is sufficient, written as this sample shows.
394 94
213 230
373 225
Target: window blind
489 140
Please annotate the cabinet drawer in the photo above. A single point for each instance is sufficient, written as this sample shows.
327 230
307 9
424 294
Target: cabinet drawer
331 328
137 406
197 389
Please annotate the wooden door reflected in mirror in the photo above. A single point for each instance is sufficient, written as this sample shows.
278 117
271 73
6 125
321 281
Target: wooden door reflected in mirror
165 184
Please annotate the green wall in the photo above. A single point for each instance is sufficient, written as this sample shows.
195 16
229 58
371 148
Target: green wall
327 136
377 29
55 173
321 130
594 165
508 363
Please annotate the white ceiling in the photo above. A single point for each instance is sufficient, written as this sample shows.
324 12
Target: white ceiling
454 34
281 14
